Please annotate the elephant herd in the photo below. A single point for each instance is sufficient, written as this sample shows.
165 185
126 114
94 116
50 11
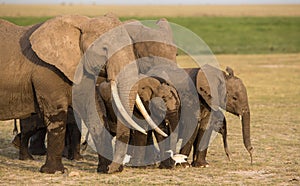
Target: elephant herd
59 73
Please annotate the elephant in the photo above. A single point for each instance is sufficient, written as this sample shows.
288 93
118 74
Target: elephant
162 101
236 102
33 128
43 64
149 44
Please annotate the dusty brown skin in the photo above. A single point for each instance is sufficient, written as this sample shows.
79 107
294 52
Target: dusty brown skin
236 103
48 55
148 88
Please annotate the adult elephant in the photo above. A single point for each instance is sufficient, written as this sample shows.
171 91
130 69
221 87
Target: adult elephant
148 44
38 66
236 100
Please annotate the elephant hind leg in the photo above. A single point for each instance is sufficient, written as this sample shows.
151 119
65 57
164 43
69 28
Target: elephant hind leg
55 145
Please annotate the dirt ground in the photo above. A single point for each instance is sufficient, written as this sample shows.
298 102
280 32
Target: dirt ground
273 88
150 10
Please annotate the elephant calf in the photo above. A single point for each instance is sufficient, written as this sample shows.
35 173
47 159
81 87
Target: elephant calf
231 96
159 98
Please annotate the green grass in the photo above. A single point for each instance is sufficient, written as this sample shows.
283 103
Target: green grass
231 35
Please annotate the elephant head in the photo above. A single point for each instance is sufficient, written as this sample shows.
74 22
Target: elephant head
162 101
153 45
227 91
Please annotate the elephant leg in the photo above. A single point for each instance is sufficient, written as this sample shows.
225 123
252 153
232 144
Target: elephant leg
28 129
23 152
37 143
122 140
72 142
199 157
187 146
151 153
164 145
53 98
55 145
139 142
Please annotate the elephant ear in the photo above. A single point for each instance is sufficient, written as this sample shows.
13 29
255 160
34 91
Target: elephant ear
56 42
211 86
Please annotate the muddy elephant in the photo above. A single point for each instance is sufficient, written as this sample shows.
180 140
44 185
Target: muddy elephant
33 129
162 101
234 100
38 67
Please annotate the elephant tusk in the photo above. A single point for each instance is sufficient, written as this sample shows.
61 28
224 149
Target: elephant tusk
241 117
144 112
122 110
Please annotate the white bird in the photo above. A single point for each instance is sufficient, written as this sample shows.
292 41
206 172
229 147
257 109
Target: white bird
126 159
178 158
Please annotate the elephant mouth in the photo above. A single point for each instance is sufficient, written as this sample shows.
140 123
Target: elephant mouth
140 106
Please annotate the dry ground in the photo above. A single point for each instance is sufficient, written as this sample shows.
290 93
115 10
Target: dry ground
150 10
274 95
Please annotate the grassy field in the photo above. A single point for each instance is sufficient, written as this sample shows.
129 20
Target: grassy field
230 35
272 82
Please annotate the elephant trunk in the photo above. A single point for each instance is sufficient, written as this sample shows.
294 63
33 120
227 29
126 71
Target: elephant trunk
245 119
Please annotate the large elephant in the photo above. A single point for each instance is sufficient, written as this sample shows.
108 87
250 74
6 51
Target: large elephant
38 66
236 102
162 101
149 44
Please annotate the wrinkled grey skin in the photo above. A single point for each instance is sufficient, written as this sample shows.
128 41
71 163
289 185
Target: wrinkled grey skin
48 54
236 103
164 111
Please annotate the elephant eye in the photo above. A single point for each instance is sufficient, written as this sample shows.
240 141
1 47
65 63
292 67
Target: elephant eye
234 98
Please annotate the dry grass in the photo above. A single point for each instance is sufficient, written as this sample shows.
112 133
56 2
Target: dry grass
150 10
273 87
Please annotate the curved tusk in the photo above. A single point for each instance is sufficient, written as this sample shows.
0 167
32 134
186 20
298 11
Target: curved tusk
122 110
142 109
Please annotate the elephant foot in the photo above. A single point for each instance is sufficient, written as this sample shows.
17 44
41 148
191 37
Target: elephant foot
51 168
103 164
202 164
25 156
168 163
115 167
17 141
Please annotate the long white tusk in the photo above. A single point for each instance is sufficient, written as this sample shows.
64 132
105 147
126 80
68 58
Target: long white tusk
144 112
122 109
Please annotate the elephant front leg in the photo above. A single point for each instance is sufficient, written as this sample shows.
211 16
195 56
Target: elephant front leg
164 145
199 157
122 140
55 144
